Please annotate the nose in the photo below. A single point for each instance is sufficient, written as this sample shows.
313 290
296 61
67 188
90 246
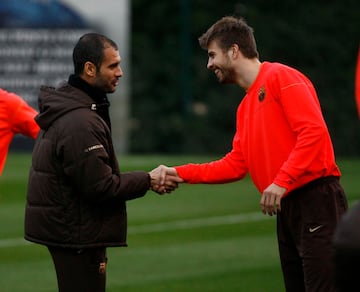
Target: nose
119 72
209 64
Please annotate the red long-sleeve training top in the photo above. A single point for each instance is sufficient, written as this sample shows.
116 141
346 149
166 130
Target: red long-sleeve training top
16 117
281 136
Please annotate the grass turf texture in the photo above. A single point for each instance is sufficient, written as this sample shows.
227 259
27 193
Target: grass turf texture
199 238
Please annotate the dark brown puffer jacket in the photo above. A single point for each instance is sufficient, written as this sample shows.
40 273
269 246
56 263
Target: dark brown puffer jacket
76 194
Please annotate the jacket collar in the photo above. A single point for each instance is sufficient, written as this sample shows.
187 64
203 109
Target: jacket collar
102 103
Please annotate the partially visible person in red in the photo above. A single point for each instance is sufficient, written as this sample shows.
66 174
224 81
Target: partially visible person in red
16 117
283 143
347 234
357 83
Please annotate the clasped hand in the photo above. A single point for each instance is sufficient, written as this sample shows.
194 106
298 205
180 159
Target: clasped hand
164 179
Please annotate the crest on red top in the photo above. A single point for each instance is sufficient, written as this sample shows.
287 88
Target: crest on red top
262 93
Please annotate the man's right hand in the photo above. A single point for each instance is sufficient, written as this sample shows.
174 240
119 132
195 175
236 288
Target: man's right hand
164 179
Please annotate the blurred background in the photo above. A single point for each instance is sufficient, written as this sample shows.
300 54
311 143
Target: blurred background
169 108
168 102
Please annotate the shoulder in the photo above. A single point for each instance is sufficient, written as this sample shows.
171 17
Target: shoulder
80 129
278 74
283 70
15 108
276 68
9 100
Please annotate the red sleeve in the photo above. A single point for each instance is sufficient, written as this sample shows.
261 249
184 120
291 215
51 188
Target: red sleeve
15 117
303 113
22 118
230 168
357 84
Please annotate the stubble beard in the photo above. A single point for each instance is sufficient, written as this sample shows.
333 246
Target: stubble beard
104 86
226 76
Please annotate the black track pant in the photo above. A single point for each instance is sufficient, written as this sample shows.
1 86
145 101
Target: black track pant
81 270
306 226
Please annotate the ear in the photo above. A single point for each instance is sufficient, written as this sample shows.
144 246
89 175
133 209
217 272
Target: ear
89 69
235 51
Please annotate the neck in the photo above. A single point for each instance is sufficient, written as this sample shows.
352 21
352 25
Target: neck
97 95
249 70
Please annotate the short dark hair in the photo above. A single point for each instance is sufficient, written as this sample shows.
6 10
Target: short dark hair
90 48
230 30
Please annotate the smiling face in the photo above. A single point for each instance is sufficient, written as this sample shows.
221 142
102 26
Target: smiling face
107 77
220 63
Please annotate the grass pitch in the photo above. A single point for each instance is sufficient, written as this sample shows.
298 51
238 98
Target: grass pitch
199 238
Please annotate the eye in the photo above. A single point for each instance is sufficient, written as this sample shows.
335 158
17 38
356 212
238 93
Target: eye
114 66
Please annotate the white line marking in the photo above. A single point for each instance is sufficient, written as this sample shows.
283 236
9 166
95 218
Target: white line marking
196 223
11 242
167 226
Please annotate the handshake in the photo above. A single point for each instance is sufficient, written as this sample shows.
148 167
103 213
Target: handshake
164 179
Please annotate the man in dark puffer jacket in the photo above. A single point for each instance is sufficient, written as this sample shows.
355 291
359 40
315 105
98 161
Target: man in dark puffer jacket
76 193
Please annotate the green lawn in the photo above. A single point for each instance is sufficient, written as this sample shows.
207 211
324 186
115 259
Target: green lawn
199 238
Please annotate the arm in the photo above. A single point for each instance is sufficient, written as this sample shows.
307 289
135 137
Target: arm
230 168
22 118
89 162
312 151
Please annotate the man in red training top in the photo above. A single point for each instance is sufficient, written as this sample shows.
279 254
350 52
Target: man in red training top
282 141
16 117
